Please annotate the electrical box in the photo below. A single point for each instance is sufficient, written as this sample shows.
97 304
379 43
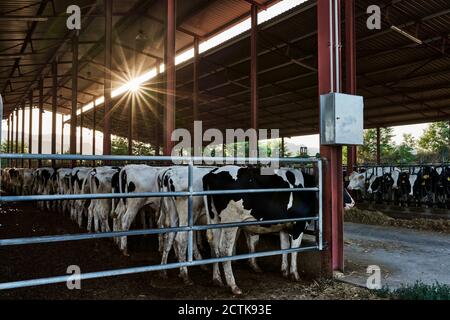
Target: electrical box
342 119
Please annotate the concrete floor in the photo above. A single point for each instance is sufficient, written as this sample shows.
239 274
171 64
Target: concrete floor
404 256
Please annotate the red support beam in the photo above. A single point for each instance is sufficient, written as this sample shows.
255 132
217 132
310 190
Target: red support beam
94 120
108 79
254 68
81 132
131 124
41 111
62 134
332 256
8 142
30 129
22 140
350 56
73 111
378 145
170 76
17 136
196 75
54 106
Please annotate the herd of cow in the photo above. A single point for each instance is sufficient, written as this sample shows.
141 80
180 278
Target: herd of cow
414 186
97 215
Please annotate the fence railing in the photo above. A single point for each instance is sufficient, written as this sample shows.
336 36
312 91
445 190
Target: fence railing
190 162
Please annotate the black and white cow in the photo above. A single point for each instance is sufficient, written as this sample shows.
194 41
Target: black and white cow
256 206
99 210
134 179
443 186
424 187
78 186
174 212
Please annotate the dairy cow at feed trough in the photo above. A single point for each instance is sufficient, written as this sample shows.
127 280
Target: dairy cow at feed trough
425 185
256 206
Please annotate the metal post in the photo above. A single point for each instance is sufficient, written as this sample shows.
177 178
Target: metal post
8 141
196 78
62 133
30 133
107 79
94 120
22 139
282 147
54 106
328 34
8 146
73 111
16 147
81 132
158 104
131 124
190 213
254 67
170 76
41 111
350 54
378 145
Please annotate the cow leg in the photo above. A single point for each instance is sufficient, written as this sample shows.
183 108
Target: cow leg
295 244
90 216
226 245
252 241
285 244
213 236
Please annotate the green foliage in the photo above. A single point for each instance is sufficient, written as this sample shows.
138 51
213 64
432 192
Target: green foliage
119 146
368 152
436 139
417 291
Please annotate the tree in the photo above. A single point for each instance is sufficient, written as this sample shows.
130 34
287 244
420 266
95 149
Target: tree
119 146
436 140
368 152
404 153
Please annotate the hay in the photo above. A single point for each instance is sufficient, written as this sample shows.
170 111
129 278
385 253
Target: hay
378 218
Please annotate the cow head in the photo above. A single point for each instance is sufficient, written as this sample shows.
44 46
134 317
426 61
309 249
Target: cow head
403 182
357 181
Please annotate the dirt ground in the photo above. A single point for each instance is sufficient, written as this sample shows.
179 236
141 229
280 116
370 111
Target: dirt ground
45 260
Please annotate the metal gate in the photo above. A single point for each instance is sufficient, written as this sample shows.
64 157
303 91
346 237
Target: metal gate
190 228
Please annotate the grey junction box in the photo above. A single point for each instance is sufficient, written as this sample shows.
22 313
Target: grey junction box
342 119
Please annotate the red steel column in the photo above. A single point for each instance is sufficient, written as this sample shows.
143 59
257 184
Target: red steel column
131 123
54 106
30 133
196 77
332 257
170 76
8 142
350 54
107 79
41 111
17 136
73 111
22 140
62 133
254 67
94 120
378 145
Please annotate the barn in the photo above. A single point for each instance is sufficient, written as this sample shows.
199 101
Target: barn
109 108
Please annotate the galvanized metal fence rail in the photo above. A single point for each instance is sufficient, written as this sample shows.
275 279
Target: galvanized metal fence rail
190 228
